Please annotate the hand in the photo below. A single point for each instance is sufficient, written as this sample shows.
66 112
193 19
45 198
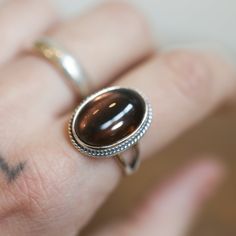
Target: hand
47 187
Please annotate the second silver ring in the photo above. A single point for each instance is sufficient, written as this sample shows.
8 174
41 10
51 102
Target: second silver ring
66 63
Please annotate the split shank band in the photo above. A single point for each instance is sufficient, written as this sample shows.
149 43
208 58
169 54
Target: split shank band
108 123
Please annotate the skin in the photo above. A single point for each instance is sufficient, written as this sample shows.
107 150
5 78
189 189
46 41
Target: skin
47 187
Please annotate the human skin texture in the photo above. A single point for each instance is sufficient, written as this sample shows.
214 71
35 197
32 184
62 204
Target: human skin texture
47 186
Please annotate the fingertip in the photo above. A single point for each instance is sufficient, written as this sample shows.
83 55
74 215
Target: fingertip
189 189
209 173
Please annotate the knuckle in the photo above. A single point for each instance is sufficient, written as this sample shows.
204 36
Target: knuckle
128 16
190 75
8 109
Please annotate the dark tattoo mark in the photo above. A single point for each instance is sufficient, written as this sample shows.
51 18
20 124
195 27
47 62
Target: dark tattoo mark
11 172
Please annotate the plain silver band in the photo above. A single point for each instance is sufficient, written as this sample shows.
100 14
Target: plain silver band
65 62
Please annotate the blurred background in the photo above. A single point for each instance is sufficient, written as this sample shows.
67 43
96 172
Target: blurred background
174 24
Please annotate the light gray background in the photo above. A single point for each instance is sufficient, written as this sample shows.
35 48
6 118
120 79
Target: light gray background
175 23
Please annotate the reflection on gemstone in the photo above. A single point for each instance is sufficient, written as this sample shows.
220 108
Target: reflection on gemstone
118 125
110 117
112 105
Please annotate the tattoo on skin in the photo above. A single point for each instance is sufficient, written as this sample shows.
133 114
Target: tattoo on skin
11 172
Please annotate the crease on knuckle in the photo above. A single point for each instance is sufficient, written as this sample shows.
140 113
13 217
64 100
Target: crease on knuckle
30 194
27 195
190 75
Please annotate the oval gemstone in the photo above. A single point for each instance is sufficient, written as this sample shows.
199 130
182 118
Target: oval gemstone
110 117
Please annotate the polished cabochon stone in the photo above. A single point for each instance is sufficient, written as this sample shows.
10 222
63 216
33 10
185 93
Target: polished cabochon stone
110 117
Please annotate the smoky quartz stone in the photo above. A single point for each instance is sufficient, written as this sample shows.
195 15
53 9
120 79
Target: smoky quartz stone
110 117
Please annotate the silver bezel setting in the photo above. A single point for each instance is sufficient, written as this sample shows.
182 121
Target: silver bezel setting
118 147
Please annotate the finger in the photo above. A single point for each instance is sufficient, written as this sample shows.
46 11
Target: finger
183 88
21 21
171 208
95 40
181 95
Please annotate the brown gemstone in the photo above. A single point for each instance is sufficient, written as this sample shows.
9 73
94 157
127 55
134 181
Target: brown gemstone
110 117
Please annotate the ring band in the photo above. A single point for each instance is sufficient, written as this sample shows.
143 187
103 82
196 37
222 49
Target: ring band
65 62
109 123
130 166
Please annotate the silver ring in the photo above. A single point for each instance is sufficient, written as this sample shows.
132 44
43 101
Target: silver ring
65 62
110 123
